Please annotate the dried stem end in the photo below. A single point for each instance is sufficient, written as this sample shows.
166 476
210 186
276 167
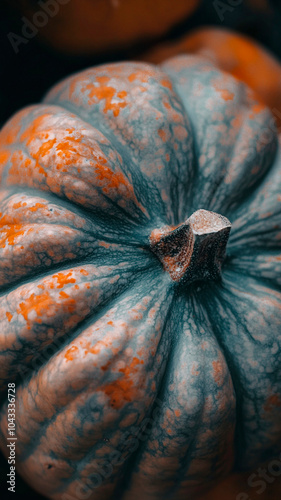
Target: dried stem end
194 250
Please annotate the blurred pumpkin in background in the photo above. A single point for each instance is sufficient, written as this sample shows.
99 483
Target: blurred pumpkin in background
95 26
234 53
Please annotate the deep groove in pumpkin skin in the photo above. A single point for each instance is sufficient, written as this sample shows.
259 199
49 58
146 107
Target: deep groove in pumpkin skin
92 259
184 468
212 302
193 292
124 484
89 214
232 370
256 183
267 282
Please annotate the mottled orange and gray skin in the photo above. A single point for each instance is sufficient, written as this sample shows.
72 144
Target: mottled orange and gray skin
132 384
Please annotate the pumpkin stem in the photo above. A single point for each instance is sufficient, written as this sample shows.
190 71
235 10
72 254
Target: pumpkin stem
195 249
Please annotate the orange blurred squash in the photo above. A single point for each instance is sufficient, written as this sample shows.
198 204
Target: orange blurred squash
96 26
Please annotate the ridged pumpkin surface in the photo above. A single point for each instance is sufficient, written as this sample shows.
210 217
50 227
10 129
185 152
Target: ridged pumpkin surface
128 384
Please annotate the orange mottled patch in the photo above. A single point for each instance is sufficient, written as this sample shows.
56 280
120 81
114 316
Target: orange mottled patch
194 370
218 371
9 316
39 304
96 348
257 108
112 180
70 352
104 244
33 130
140 75
84 272
123 389
162 134
166 83
46 147
63 279
11 233
20 204
219 86
107 93
273 401
4 156
36 207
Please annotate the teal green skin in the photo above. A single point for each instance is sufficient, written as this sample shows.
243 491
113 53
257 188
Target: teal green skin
130 385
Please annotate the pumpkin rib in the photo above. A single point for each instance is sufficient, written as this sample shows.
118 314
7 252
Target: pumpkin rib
46 260
258 178
135 455
98 309
256 379
100 219
265 265
68 106
239 438
238 435
44 162
9 288
134 252
260 215
147 480
184 72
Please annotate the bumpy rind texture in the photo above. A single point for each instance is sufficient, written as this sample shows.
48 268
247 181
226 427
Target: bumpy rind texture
129 385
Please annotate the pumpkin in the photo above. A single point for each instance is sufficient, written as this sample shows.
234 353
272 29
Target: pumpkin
95 26
235 53
140 281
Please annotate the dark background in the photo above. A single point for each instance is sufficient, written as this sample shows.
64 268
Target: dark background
26 76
